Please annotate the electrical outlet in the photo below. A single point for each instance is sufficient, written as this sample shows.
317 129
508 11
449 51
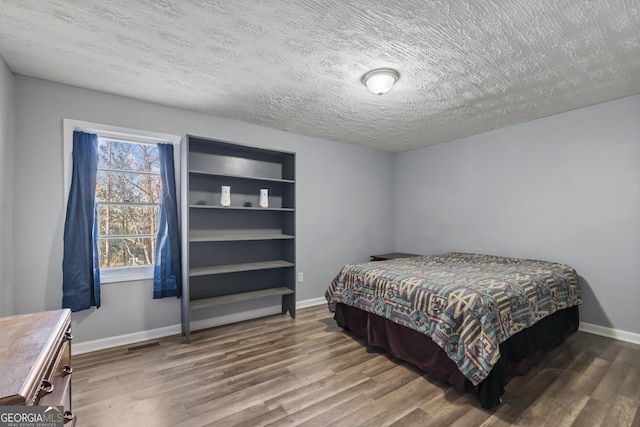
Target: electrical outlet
300 277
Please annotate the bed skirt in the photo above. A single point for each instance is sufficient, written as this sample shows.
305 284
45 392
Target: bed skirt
518 354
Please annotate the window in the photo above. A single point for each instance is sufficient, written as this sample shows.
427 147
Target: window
128 191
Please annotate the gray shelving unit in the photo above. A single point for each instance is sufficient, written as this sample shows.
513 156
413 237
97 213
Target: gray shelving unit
239 252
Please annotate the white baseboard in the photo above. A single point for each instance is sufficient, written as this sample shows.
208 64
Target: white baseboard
136 337
311 302
116 341
152 334
631 337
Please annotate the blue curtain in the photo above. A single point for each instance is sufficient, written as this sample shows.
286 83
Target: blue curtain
167 273
81 262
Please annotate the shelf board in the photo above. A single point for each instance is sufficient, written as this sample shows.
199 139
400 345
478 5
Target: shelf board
235 268
244 208
208 237
242 296
245 177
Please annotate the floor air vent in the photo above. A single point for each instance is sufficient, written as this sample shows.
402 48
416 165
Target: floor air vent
142 346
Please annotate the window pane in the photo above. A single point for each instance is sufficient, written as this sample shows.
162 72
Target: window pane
128 173
128 187
127 252
127 220
128 156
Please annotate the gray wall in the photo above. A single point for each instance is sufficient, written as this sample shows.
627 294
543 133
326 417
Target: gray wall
7 99
563 188
340 190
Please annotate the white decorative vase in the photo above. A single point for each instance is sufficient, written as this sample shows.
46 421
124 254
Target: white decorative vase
264 198
225 195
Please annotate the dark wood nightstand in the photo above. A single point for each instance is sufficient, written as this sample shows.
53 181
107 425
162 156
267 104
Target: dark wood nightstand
392 255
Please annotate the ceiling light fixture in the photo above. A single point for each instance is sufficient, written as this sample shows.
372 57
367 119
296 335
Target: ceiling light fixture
381 80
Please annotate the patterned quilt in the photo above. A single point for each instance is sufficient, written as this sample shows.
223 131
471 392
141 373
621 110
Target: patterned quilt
466 303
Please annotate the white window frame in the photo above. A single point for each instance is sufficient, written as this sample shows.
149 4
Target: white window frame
130 273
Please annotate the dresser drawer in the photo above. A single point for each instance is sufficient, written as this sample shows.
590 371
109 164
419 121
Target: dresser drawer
55 388
36 362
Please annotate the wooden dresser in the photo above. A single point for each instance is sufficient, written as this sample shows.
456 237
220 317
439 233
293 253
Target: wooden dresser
35 360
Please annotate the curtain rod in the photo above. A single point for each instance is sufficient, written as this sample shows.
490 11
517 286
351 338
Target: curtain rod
147 140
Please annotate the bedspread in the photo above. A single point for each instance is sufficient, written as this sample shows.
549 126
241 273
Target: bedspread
466 303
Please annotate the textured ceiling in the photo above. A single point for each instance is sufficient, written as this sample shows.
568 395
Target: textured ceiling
466 66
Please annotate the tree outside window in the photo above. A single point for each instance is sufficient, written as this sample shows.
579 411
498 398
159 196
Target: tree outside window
128 194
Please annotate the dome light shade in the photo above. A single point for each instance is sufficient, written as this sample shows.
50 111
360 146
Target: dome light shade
381 80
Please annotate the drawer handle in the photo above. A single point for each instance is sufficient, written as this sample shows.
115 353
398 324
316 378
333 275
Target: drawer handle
46 387
68 336
68 416
68 370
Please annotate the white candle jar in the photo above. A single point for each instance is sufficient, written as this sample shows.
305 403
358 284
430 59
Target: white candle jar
264 198
225 195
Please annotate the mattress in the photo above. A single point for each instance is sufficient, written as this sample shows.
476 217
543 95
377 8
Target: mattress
467 304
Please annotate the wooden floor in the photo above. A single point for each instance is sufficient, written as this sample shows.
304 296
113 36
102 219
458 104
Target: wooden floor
307 371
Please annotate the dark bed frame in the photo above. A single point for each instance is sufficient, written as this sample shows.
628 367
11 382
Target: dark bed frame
518 354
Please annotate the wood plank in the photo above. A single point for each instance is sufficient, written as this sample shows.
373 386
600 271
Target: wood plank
622 412
240 208
592 413
592 376
234 268
307 371
610 383
218 237
242 296
242 177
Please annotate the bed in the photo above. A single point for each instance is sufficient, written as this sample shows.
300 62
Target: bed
471 320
